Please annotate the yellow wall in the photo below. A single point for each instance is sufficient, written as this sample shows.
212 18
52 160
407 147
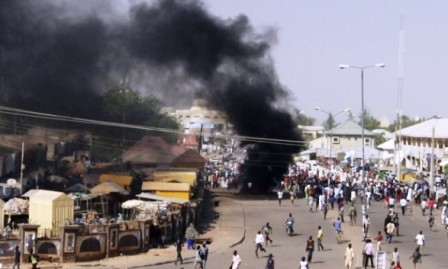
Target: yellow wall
188 177
174 194
2 215
123 181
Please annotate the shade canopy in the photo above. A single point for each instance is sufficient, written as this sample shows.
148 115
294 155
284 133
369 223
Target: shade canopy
108 188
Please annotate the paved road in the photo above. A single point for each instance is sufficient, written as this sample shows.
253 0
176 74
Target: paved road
241 219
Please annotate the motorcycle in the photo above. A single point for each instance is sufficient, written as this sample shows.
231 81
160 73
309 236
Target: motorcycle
289 227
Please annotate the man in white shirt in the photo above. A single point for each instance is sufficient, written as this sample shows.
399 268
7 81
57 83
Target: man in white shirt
368 252
403 204
280 197
236 260
365 226
424 205
420 240
259 239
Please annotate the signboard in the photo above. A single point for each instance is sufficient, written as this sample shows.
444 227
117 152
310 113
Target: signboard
381 260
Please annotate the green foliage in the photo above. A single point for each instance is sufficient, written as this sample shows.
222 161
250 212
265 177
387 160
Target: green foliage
301 119
123 105
406 121
370 123
379 139
330 122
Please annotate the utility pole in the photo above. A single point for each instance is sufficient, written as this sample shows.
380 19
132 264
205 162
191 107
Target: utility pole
398 126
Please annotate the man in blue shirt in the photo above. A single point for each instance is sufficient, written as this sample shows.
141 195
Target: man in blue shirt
338 228
270 262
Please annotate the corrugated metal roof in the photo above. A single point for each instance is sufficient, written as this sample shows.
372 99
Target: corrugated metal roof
424 129
47 196
349 128
150 196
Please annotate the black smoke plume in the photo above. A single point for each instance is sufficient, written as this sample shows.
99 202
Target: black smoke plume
55 61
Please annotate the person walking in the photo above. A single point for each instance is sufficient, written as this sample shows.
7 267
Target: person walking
365 226
368 252
341 211
270 262
204 251
396 221
431 205
16 263
267 231
416 257
310 249
310 203
320 236
390 228
178 244
420 240
33 259
304 264
236 260
423 205
431 221
403 204
338 228
198 258
190 235
395 256
379 239
353 214
349 256
292 194
259 239
280 197
325 210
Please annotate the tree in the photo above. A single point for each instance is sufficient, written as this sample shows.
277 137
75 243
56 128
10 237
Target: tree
302 119
330 122
370 123
379 139
124 105
120 102
406 121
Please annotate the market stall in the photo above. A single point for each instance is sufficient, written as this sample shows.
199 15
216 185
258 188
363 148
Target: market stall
50 210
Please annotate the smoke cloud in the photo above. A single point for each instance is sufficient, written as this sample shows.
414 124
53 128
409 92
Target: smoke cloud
59 59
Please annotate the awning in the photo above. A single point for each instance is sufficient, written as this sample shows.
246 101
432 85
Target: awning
150 196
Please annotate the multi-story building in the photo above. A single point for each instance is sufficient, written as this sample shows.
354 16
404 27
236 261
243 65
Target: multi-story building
212 122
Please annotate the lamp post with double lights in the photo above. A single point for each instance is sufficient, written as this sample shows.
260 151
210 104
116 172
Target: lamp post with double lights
346 66
331 133
333 116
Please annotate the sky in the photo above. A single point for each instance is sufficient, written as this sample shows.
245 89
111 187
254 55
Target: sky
315 37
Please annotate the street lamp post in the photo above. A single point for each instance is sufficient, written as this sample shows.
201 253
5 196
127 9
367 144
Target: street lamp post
431 168
345 66
331 133
334 116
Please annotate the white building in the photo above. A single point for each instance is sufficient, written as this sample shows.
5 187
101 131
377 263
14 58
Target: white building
345 137
416 144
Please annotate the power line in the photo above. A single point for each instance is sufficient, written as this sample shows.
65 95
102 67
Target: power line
33 114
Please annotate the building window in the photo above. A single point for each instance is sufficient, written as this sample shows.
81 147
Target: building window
335 140
367 142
